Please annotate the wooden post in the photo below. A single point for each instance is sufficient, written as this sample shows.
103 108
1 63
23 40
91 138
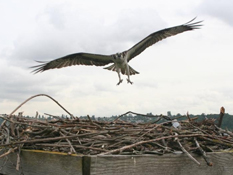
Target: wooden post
222 111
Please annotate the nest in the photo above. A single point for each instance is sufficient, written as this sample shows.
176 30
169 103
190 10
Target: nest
89 137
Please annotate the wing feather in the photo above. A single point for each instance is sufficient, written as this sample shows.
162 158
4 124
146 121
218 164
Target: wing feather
160 35
74 59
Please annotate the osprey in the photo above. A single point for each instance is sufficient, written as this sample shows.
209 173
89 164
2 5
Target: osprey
119 60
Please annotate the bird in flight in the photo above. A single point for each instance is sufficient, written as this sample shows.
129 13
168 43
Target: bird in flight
119 60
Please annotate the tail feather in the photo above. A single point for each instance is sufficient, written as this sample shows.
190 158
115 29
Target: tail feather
123 71
132 71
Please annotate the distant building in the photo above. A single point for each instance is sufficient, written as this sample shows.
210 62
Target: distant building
169 114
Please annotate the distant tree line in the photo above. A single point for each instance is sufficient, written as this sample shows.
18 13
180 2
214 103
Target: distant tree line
227 122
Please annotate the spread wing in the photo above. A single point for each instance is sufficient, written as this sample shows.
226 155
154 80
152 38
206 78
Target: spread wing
74 59
159 35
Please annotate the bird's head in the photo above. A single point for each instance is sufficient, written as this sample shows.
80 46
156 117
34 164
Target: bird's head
118 56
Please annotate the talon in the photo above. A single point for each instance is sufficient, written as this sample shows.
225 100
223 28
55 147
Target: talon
128 80
120 82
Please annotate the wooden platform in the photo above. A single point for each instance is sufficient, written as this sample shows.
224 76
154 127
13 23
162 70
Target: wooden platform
50 163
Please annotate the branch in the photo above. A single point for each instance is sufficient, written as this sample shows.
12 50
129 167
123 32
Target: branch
203 153
8 152
130 112
9 116
185 151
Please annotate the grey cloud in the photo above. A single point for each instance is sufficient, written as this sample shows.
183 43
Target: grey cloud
135 25
18 85
54 15
129 28
219 9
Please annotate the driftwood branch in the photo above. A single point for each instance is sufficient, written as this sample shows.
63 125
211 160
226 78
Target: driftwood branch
185 151
203 153
9 116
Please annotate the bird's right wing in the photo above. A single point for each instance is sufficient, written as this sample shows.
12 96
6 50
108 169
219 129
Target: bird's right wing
74 59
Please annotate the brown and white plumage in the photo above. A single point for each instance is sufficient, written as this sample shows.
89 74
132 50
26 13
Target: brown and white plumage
119 60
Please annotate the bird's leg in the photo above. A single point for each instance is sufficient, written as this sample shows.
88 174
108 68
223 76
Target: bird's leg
120 80
128 74
128 80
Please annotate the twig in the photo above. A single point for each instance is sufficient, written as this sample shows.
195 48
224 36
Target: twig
148 132
188 116
94 123
76 146
185 151
18 158
8 152
130 112
56 117
21 123
217 141
71 147
224 131
203 153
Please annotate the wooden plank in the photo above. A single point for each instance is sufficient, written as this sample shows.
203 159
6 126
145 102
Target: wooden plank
86 165
42 163
168 164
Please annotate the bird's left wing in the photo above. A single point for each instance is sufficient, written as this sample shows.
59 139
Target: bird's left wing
74 59
159 35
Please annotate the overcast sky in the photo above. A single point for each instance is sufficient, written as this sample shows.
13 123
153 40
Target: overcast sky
188 72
